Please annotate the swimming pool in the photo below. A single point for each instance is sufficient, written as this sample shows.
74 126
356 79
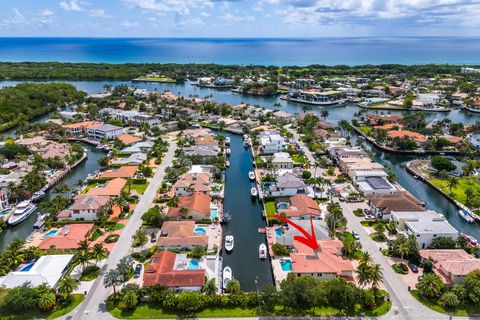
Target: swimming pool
282 206
28 267
50 233
200 230
213 213
286 265
278 232
193 265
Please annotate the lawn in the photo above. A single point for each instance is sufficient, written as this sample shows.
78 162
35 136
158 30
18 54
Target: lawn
462 311
139 187
299 159
34 314
459 191
270 207
158 79
365 130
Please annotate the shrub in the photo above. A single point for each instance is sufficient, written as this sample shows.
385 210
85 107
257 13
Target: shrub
400 268
112 238
280 250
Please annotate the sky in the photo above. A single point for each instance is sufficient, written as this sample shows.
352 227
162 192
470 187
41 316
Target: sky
239 18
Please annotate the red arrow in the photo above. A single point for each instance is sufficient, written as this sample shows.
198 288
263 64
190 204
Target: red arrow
308 239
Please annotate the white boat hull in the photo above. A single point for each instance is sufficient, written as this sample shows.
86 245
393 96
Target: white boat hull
17 219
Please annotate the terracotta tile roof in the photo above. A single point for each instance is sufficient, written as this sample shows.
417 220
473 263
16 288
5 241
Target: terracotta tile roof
64 214
180 233
197 202
399 201
121 172
390 126
88 202
112 188
406 133
454 139
161 271
199 182
68 237
83 125
437 255
450 262
128 139
301 205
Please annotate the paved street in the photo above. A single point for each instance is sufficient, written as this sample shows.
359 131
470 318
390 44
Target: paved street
93 307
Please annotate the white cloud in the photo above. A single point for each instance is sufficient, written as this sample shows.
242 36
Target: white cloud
230 18
16 19
98 13
71 5
182 7
204 14
127 25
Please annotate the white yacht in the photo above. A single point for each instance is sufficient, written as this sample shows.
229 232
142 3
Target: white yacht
38 195
227 163
316 97
254 191
466 216
228 151
23 210
227 141
227 276
262 251
229 242
251 175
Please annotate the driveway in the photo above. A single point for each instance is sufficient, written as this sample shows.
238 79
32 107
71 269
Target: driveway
93 307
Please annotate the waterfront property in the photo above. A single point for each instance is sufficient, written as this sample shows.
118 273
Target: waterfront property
382 205
182 235
299 207
196 206
104 132
67 238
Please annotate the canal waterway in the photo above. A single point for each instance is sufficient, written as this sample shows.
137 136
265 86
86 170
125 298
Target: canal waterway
247 217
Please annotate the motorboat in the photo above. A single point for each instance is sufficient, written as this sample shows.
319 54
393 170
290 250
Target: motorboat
227 276
227 141
471 240
247 142
262 251
466 216
245 136
228 151
251 175
23 210
38 195
229 242
40 222
254 191
227 163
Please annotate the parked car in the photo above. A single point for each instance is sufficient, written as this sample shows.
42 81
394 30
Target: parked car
356 235
153 238
138 270
413 267
341 199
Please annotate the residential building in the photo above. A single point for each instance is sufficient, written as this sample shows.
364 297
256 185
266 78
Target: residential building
282 160
112 188
85 207
128 139
288 184
189 183
474 140
271 142
287 238
202 150
68 237
147 119
3 199
300 207
104 132
326 263
142 146
353 166
373 182
197 207
402 134
382 205
77 130
452 265
180 235
124 172
47 269
424 225
347 153
133 159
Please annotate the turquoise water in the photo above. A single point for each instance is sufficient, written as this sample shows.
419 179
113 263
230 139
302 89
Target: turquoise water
282 206
286 265
278 233
50 233
213 213
28 267
193 265
200 230
265 51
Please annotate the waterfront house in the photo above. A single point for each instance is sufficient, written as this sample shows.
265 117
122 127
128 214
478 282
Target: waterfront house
147 119
202 150
85 207
452 265
133 159
346 153
77 130
402 134
47 269
300 207
373 182
197 207
47 149
139 147
325 264
189 183
181 235
112 188
287 235
353 166
104 132
72 115
474 140
68 237
288 184
124 172
382 205
128 139
424 225
282 160
169 269
271 142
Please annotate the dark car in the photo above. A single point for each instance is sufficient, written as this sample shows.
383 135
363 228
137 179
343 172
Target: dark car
153 238
413 267
138 270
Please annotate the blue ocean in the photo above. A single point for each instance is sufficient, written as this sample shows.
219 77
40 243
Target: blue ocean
301 52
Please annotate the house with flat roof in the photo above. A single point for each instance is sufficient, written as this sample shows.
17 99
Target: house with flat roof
47 269
346 152
300 207
189 183
351 166
202 150
197 207
181 235
3 199
134 159
382 205
104 132
169 269
68 237
288 184
282 160
452 265
287 235
373 182
139 147
424 225
326 263
271 142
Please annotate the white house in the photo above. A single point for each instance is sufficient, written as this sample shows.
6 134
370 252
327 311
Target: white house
271 143
282 160
104 132
87 207
288 184
373 182
424 225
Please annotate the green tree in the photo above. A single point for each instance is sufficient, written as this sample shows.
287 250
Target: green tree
450 299
472 287
233 286
99 252
112 279
130 299
210 287
66 286
441 163
430 285
198 252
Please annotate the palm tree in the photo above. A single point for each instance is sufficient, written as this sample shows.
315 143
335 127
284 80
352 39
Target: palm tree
468 194
183 212
324 114
31 253
99 252
452 183
82 258
130 299
112 279
443 175
233 286
403 249
66 286
210 287
46 300
14 258
16 245
363 274
430 285
376 275
365 258
450 299
83 246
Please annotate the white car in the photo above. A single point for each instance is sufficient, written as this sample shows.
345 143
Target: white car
356 235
